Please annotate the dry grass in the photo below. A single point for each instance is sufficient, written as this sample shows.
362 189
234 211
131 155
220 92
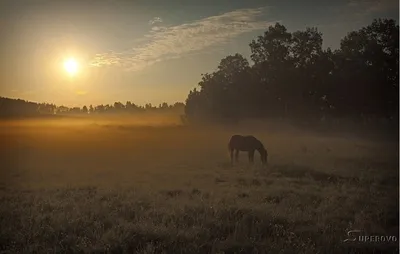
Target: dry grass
95 187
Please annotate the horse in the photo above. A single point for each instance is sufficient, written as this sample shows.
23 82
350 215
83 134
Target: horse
249 144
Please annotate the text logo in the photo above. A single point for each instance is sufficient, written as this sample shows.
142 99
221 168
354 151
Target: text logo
358 236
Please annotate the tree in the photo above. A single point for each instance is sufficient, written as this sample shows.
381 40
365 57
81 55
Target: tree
195 108
273 67
74 110
100 108
273 47
293 76
85 110
148 106
312 67
369 64
118 106
220 91
164 105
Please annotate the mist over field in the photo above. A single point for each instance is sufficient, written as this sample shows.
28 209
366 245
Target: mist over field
152 185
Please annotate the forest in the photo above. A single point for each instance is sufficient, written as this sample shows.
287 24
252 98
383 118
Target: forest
292 76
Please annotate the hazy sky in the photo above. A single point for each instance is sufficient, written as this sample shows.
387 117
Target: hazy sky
148 51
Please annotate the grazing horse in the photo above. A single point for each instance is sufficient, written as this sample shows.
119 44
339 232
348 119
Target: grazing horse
249 144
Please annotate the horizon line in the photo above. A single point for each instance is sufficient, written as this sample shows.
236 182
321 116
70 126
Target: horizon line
87 105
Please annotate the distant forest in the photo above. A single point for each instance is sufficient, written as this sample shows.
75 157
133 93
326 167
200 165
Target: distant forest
17 107
291 77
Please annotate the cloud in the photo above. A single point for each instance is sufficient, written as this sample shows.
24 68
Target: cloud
173 42
155 20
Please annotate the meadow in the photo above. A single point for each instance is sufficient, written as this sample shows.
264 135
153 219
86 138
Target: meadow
153 186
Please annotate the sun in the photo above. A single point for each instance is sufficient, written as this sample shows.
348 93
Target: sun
71 66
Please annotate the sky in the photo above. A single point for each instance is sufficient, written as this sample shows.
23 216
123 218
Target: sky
148 51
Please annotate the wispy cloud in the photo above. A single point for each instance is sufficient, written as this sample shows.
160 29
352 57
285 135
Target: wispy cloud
155 20
175 41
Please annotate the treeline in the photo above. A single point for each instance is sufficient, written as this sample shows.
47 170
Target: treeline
293 77
17 107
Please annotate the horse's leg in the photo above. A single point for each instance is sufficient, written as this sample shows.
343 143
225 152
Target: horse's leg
231 154
251 156
237 155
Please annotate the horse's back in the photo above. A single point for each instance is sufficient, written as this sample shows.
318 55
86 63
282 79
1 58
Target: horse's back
244 143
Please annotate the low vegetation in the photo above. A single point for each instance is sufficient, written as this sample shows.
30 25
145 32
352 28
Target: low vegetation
98 187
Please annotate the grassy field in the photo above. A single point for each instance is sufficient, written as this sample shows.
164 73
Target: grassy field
111 186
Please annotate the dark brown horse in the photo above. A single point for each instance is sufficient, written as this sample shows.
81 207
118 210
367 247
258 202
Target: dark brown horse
248 144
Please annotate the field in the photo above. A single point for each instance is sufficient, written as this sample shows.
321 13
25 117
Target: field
79 185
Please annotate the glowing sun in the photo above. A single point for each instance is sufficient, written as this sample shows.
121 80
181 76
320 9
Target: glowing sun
71 66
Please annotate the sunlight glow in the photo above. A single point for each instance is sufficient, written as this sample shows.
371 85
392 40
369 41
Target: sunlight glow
71 66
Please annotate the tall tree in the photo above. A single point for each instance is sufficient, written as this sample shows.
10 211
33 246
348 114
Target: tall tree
370 63
272 66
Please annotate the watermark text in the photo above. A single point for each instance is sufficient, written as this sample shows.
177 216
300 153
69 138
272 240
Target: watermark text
360 237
